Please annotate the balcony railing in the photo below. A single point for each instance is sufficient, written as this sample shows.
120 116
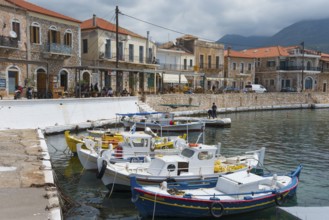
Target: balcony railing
6 41
292 68
58 48
206 66
128 58
166 66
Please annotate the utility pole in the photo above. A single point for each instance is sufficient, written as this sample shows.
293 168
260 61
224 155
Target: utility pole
303 66
118 73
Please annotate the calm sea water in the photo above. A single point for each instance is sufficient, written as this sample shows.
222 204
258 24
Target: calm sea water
291 137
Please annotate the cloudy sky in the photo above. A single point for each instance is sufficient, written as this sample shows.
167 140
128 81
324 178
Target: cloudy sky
206 19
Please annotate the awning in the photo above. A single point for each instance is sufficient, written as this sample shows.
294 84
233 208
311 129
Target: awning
174 78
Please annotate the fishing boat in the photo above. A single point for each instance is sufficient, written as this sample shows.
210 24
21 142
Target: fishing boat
235 193
209 122
134 147
106 139
195 162
159 122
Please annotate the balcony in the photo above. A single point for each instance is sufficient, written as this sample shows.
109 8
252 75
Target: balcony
8 43
298 68
209 67
54 50
127 58
167 66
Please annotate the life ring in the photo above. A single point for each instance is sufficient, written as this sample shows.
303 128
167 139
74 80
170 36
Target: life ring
216 213
279 199
193 144
134 198
102 171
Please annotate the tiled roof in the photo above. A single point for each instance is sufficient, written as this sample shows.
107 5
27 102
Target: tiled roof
34 8
108 26
239 54
171 46
325 57
274 51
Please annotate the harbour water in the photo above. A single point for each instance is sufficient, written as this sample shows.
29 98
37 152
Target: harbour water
291 137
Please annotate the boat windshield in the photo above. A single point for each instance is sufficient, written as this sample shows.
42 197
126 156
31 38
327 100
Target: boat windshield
187 153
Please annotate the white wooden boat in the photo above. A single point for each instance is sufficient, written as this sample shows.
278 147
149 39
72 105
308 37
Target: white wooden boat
134 147
160 122
209 122
198 161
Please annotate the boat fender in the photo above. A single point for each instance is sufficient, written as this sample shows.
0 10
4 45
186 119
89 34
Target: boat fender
102 171
134 198
216 209
279 199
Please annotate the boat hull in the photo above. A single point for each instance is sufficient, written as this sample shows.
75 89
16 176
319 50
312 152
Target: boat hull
157 203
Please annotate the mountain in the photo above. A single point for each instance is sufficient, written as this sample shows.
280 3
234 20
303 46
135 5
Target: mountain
314 34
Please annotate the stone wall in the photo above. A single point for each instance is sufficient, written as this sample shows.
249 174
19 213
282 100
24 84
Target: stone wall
203 102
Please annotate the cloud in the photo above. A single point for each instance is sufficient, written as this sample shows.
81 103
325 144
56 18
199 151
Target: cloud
207 19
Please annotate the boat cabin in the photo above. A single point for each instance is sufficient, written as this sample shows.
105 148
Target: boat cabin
133 144
196 160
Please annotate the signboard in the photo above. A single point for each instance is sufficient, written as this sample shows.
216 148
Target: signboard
2 83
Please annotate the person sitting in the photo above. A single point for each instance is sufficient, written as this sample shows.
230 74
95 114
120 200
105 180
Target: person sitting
110 92
210 113
124 92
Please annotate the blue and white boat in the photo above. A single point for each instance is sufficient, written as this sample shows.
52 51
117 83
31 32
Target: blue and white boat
235 193
160 122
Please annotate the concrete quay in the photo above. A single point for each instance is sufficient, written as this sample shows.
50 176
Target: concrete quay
27 189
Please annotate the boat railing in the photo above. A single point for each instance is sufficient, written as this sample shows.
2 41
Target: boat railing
216 196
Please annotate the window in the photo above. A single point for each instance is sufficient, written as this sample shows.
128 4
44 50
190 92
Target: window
131 53
205 155
209 62
249 66
234 66
85 45
120 53
241 67
141 54
108 48
150 55
54 36
270 63
35 33
68 38
217 62
16 27
191 63
185 64
271 82
201 61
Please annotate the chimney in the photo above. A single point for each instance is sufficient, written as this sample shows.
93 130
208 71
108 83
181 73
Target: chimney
94 20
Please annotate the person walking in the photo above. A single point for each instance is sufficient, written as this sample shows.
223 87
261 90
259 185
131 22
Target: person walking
214 110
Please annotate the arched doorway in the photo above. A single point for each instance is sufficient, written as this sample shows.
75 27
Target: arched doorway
63 79
308 83
41 82
86 81
13 79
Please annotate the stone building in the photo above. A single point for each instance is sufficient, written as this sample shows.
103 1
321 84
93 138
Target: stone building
239 69
35 44
278 67
128 63
209 60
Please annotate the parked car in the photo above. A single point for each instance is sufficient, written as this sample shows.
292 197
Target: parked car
227 89
288 89
257 88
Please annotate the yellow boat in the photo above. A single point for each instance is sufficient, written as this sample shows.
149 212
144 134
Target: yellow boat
106 139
